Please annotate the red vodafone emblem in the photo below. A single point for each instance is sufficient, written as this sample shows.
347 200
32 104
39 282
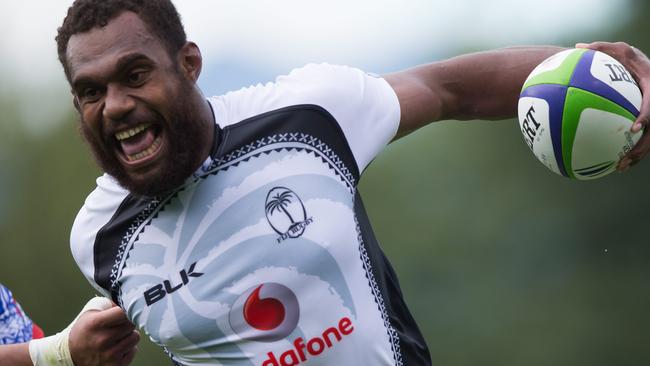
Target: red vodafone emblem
265 313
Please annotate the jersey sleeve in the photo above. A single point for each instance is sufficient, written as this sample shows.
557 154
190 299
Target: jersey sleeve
15 325
97 210
364 105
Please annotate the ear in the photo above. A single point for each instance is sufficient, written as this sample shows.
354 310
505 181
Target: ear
190 61
75 102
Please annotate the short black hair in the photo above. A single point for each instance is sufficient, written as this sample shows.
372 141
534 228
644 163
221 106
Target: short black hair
160 17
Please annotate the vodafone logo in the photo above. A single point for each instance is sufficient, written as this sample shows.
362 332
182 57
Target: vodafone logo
302 350
265 313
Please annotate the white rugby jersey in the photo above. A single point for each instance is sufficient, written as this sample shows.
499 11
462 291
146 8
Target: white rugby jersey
265 255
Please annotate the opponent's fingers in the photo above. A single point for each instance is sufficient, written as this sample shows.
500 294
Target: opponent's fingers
121 331
112 317
118 351
98 303
129 356
107 338
128 342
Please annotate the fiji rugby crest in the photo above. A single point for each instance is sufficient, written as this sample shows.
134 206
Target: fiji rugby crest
286 213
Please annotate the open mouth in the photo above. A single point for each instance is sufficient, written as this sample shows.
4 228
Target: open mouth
140 143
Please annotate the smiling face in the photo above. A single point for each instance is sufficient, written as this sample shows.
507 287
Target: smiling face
141 113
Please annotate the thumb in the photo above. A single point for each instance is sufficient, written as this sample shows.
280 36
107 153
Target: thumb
97 303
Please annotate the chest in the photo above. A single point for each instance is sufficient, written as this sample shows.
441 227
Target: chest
254 254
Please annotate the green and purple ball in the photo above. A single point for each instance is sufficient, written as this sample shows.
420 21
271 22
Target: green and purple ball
575 111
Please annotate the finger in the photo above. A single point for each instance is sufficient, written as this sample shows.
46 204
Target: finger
109 338
116 334
128 342
119 350
112 317
643 119
94 305
593 45
98 303
618 50
639 151
129 356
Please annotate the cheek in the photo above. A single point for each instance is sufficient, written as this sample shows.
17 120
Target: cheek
91 122
91 117
166 96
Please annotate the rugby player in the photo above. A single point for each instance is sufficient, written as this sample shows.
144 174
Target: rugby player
229 228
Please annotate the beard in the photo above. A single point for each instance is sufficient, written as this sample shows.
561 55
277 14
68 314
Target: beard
185 135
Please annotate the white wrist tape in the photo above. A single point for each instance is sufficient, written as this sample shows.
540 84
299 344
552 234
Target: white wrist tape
54 350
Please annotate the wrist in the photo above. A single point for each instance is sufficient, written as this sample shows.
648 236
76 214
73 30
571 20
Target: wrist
51 351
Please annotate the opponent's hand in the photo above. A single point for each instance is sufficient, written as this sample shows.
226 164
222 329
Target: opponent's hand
99 335
639 65
103 338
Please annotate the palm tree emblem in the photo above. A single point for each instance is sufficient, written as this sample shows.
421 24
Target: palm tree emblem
285 202
280 201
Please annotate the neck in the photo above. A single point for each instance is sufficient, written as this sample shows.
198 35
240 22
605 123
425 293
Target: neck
206 117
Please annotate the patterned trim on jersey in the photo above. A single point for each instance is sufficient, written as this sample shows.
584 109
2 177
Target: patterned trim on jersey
15 325
116 271
289 137
171 356
379 299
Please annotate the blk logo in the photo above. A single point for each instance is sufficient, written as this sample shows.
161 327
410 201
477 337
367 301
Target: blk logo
265 313
286 213
158 292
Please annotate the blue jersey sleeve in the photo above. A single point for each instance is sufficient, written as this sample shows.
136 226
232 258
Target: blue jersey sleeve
15 325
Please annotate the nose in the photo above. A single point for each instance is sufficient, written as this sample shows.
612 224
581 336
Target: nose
117 103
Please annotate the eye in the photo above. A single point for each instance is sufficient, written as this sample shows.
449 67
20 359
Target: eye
90 94
136 77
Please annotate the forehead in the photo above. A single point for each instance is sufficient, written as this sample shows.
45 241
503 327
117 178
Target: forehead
101 47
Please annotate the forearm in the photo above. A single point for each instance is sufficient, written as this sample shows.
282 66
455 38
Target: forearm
483 85
486 85
15 355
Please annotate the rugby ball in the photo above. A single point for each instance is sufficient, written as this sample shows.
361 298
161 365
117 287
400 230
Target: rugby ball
575 112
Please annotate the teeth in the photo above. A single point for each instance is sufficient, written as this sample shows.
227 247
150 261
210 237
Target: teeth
123 135
150 150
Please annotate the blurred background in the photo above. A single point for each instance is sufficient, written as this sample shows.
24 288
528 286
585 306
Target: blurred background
501 261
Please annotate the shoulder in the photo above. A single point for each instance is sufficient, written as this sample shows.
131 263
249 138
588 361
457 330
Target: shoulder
335 88
98 209
364 105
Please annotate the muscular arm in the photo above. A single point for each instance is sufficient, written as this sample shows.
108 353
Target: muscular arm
486 85
482 85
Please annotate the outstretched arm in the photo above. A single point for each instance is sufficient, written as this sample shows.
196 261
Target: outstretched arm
482 85
486 85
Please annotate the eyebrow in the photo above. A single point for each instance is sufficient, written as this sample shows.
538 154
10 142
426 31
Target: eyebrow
122 63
